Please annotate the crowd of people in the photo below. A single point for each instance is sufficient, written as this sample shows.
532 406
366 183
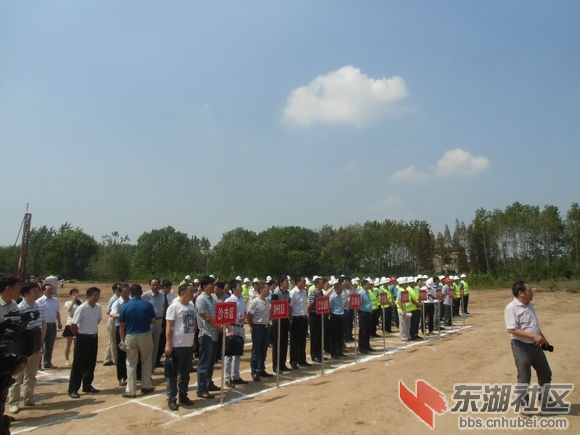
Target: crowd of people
171 329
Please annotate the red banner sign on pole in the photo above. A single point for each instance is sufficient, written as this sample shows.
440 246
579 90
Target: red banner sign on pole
323 305
423 295
384 299
279 310
225 313
354 301
404 296
439 294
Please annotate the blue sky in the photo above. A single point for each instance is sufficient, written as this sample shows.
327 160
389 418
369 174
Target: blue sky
133 115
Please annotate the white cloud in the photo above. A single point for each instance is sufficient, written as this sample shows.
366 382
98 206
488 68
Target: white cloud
453 163
344 96
408 174
461 162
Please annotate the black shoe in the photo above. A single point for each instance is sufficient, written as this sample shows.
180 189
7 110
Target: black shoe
240 381
91 390
317 359
205 395
370 349
185 401
147 390
285 368
305 364
214 387
230 384
256 378
74 395
172 404
265 374
294 366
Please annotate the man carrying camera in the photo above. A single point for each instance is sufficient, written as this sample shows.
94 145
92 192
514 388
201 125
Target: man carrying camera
528 342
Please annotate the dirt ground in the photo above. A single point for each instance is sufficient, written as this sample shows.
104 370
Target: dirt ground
351 397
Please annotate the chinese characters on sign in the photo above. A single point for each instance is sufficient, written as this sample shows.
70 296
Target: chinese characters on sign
225 313
279 310
354 301
322 305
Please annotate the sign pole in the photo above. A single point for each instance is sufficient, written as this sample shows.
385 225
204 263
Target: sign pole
225 314
384 333
322 344
223 365
356 335
278 357
462 306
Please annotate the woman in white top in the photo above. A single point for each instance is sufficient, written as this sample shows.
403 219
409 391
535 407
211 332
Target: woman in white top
70 306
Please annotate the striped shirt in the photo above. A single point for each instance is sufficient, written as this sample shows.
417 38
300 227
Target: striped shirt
260 310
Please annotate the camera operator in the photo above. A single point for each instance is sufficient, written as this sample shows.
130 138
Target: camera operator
27 378
10 287
528 343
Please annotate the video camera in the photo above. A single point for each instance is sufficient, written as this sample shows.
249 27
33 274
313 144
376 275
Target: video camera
16 341
548 347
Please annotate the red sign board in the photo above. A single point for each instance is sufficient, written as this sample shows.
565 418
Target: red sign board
225 313
384 299
279 310
404 296
354 301
439 294
423 295
323 305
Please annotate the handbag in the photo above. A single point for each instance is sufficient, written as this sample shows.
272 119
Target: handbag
234 345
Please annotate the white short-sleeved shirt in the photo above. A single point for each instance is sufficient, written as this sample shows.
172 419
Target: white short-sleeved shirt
183 317
87 318
298 301
50 308
521 316
116 309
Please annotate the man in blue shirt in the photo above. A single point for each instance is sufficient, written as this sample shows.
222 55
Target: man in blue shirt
364 317
336 319
135 322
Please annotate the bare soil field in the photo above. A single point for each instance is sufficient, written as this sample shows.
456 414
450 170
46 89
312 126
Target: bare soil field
350 397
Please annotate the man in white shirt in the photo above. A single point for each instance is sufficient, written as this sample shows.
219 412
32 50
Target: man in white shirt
51 313
179 336
157 299
85 327
528 342
299 325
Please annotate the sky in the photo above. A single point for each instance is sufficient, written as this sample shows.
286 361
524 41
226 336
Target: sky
130 116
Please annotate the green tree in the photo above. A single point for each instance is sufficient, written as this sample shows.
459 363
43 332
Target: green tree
69 253
162 253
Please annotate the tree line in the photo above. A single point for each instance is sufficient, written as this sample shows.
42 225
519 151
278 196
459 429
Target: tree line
520 240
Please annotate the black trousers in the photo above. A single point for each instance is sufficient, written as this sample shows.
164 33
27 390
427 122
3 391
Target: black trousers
84 361
348 323
121 361
465 301
315 337
364 333
298 328
415 320
456 303
284 333
387 318
335 328
429 316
